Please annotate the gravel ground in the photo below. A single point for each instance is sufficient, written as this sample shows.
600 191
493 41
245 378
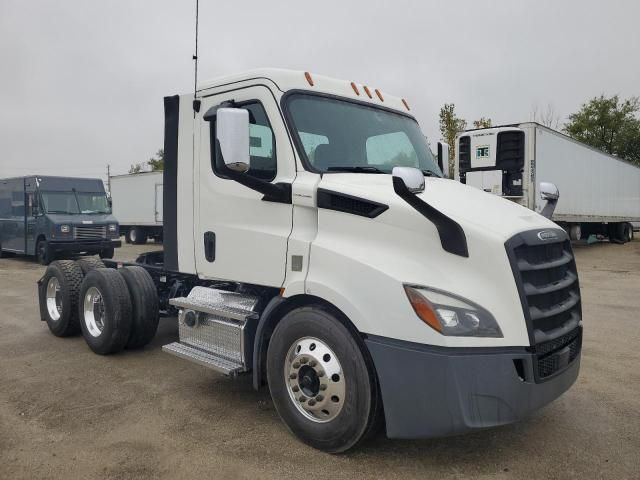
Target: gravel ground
67 413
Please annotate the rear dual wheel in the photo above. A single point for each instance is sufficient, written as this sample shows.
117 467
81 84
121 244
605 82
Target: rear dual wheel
322 384
119 308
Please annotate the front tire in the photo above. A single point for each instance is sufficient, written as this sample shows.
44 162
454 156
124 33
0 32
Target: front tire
44 255
322 384
105 311
107 253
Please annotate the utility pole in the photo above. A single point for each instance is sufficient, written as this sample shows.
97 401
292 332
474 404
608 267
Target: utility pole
109 178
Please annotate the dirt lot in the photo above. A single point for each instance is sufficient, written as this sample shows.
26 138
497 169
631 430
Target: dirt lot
68 413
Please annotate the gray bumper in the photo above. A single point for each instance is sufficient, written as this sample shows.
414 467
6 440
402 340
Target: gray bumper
435 392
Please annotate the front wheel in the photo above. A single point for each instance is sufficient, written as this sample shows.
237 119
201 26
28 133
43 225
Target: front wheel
322 384
44 255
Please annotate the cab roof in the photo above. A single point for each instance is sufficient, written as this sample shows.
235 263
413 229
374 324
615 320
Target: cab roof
287 80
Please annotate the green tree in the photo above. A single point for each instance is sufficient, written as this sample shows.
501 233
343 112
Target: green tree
610 124
157 162
152 165
450 126
482 123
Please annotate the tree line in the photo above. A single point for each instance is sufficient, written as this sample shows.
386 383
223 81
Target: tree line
607 123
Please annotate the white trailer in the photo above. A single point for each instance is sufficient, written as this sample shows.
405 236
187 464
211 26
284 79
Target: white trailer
599 193
312 242
137 204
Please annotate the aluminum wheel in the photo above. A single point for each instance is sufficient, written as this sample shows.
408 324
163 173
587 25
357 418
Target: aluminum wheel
314 379
94 311
54 299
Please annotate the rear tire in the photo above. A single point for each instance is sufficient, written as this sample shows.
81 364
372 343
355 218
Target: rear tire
105 311
59 290
331 401
137 236
87 264
145 306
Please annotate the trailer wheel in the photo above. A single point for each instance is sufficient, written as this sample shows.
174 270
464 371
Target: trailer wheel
144 303
105 311
107 252
137 236
322 386
44 255
59 289
89 263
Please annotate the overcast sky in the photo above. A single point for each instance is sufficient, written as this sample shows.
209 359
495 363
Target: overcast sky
82 82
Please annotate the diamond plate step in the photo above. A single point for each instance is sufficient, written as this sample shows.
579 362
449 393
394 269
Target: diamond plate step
205 359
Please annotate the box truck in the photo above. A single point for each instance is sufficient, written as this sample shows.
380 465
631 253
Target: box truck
137 204
312 243
599 193
49 217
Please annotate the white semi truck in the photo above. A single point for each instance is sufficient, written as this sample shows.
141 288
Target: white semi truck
137 202
600 192
312 242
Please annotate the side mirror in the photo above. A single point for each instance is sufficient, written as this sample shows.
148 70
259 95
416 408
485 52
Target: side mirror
443 158
412 178
232 133
550 193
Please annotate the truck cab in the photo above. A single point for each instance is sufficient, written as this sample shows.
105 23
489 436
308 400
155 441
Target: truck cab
312 242
49 217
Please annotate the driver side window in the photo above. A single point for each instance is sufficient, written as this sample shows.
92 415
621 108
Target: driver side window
262 144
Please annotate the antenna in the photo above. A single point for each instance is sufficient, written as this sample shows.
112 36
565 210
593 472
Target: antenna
196 103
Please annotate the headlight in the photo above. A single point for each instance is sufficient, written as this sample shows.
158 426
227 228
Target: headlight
451 315
113 228
65 228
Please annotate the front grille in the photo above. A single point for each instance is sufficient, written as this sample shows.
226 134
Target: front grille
545 272
89 232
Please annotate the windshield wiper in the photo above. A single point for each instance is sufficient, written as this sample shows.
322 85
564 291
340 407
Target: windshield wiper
356 169
429 173
61 212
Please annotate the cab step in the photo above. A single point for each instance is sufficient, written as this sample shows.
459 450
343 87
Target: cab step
195 355
216 329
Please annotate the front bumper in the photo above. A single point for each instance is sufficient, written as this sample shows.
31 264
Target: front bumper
434 392
78 246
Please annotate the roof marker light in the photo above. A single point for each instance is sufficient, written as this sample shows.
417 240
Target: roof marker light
355 88
307 75
379 95
366 90
405 104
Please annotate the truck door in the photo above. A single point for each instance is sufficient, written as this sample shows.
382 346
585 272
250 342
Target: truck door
238 235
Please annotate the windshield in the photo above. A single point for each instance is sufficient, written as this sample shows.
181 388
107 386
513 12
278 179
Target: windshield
90 202
339 135
73 203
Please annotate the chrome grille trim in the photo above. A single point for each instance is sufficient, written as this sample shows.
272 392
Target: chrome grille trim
89 232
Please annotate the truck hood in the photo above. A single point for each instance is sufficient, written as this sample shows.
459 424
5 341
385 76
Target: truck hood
468 206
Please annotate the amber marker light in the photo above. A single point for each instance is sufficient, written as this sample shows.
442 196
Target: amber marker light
404 102
307 75
423 308
366 90
379 95
355 88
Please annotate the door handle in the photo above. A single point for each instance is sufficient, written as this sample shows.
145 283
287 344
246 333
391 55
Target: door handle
210 246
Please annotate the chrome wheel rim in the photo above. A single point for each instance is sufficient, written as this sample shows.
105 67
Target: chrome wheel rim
314 379
54 299
94 312
133 236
